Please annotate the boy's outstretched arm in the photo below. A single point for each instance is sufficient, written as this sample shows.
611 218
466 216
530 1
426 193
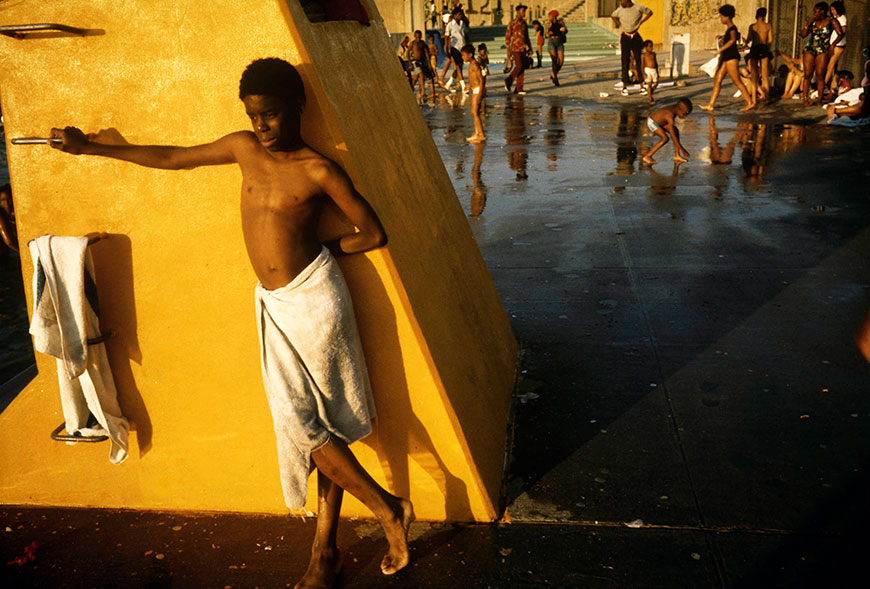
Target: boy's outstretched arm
337 185
166 157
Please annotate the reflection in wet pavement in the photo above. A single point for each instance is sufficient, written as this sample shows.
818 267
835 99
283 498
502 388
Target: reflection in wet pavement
678 319
561 146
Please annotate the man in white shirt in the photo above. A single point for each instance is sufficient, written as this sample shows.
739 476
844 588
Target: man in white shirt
457 34
629 16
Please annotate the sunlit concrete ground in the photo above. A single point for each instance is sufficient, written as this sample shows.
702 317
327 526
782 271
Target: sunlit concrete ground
692 413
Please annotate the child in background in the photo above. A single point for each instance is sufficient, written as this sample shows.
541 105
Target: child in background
662 123
478 93
483 61
650 69
539 39
433 55
418 58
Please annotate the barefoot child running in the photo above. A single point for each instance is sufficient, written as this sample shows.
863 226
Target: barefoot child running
650 69
313 368
663 123
478 93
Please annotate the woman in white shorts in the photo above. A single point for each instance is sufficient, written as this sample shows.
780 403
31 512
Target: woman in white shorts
838 41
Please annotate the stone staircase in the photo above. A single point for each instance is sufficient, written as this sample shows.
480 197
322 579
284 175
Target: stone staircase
586 40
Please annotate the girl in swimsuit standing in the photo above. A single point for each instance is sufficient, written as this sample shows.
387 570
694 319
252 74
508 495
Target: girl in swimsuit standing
729 59
818 29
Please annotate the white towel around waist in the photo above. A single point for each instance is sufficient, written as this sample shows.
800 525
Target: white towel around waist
313 368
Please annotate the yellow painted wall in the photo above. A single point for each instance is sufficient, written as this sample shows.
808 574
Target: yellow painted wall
175 282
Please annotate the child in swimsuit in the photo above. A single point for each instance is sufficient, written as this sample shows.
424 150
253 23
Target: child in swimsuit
478 93
663 123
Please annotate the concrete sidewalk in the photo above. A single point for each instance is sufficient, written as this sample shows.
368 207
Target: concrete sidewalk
693 412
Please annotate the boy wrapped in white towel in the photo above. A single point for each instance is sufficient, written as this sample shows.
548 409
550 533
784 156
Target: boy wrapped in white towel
316 380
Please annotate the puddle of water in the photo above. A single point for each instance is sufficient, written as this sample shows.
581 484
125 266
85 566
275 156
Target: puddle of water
552 148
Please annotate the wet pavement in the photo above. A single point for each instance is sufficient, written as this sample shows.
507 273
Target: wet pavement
693 412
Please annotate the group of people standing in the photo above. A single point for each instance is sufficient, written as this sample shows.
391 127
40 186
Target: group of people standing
825 32
520 53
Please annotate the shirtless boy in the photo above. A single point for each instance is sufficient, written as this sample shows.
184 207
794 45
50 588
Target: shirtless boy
650 69
285 185
433 55
478 93
418 53
663 123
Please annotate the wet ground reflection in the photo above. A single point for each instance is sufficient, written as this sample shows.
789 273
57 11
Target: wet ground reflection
562 146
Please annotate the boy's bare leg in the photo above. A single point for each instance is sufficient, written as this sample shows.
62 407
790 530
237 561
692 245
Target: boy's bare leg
476 107
681 156
652 87
335 460
663 140
325 564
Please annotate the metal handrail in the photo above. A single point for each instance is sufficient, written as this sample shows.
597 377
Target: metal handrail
56 435
20 31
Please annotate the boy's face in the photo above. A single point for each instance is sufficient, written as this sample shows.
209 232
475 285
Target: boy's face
272 120
418 36
466 57
647 48
682 110
6 201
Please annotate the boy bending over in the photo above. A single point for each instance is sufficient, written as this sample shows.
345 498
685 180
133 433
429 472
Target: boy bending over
662 123
313 368
478 93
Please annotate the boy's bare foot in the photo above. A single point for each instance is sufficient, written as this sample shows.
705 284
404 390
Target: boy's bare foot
706 107
397 535
476 139
322 571
748 107
681 159
648 160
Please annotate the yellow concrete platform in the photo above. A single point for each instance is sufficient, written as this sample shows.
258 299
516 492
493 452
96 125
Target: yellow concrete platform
175 282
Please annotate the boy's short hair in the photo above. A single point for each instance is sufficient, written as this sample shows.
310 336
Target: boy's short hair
482 47
761 12
687 103
845 74
273 77
647 42
727 10
418 31
469 49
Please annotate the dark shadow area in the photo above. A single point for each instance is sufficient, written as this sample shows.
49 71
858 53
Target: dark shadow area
809 557
398 433
113 265
601 341
331 10
16 346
